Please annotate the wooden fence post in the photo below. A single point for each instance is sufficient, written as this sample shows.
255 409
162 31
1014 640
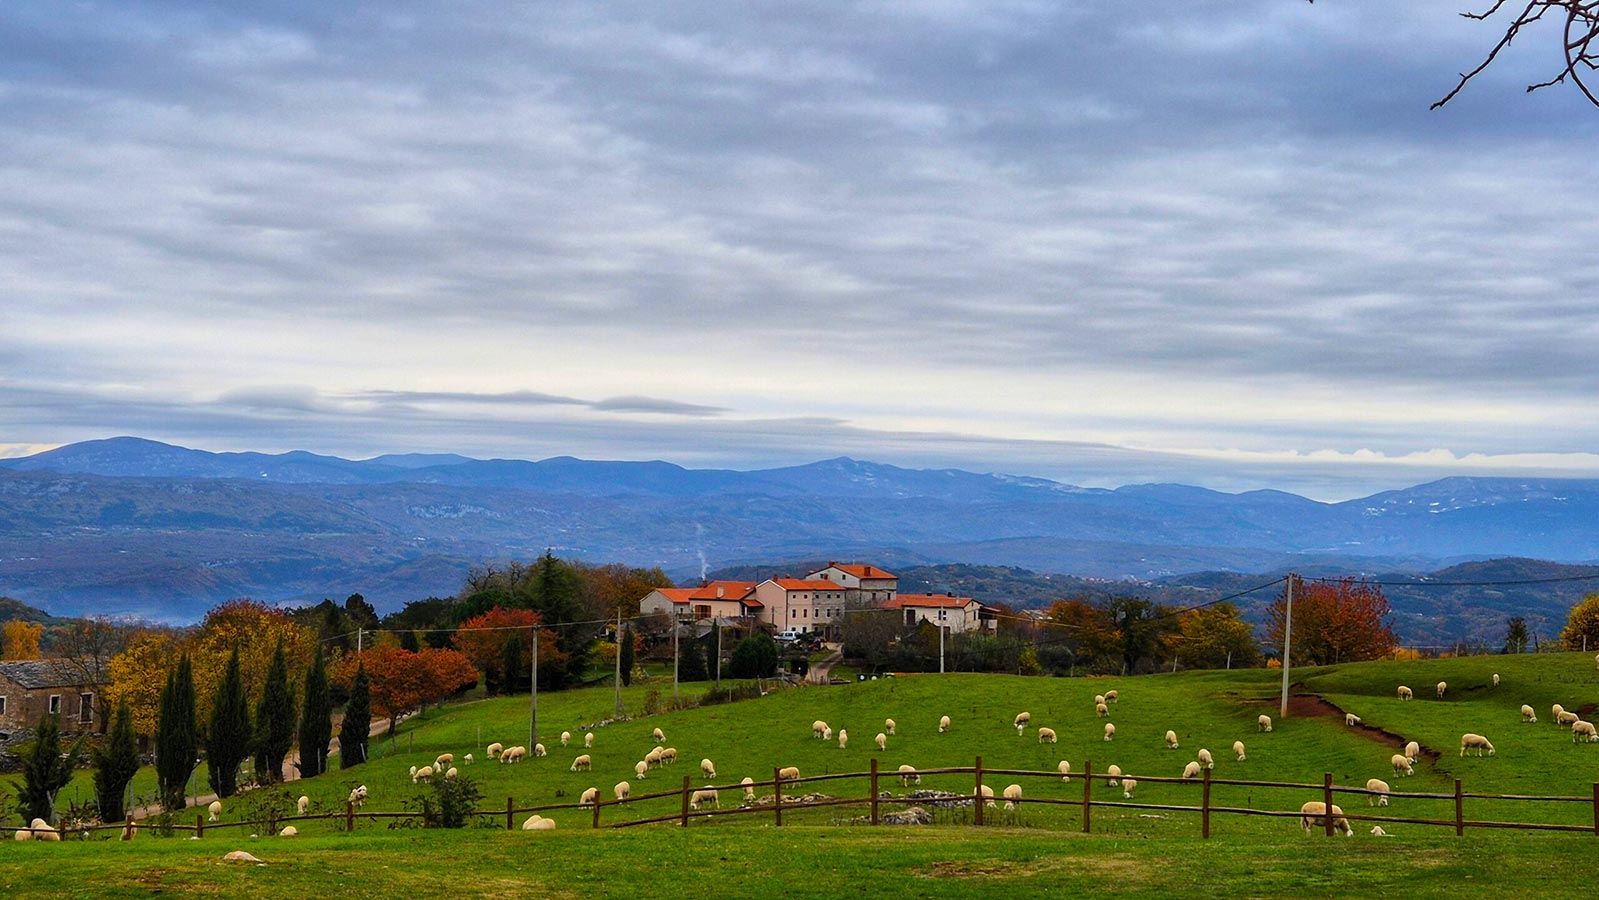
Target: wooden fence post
874 790
1460 810
1327 804
1596 809
977 798
1204 808
349 816
596 809
684 820
777 795
509 812
1088 793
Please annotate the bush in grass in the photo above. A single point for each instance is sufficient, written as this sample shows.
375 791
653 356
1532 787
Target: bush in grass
450 802
754 657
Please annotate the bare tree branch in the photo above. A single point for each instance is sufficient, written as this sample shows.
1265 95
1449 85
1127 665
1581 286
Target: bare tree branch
1581 32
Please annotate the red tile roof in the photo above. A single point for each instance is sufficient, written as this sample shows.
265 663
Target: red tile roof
731 590
862 571
800 584
927 600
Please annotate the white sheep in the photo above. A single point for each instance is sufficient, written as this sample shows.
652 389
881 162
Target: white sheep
492 751
1128 786
1264 721
43 831
818 727
302 805
1110 696
707 768
1566 718
641 769
1171 740
1477 742
214 811
1047 736
1192 770
1101 710
827 733
843 738
1238 750
1583 731
1528 714
1381 787
788 773
130 830
908 776
882 741
1406 693
654 756
582 762
589 797
1442 686
659 735
1013 796
748 784
288 831
1065 770
538 823
423 774
444 761
1314 815
1496 679
452 773
943 724
699 797
467 759
1376 831
1022 718
588 741
1402 764
1205 759
988 796
1113 774
1351 719
888 726
1110 731
413 773
1412 751
1555 711
538 750
668 756
358 795
566 738
622 790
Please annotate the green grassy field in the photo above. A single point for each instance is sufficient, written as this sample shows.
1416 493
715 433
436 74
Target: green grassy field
1138 852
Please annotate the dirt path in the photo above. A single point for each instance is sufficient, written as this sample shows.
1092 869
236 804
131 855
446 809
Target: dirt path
820 672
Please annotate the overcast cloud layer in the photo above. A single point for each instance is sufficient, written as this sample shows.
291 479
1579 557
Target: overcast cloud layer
1214 241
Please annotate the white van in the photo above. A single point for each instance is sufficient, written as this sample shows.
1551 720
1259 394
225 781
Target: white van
790 635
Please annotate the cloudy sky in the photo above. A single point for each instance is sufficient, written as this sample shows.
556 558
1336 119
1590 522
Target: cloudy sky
1215 241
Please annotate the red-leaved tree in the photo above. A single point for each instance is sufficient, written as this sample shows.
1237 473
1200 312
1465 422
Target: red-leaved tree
1334 621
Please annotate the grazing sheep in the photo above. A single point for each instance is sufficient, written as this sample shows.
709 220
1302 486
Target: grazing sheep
1110 696
1110 731
843 738
1065 770
1013 796
988 796
22 834
622 790
788 773
641 769
451 773
1376 831
668 756
1192 770
1264 721
538 823
566 738
302 805
1412 751
1128 786
817 727
1381 787
1114 774
1046 736
908 776
882 741
444 761
888 726
1403 765
1101 710
1477 742
1496 679
582 762
1406 693
493 750
423 774
699 797
588 741
1566 718
707 768
1205 758
654 756
1314 815
1098 699
289 831
1583 731
827 733
44 831
1528 714
1351 719
467 759
413 773
1238 750
589 797
1171 740
1022 718
659 735
1442 686
213 811
1555 711
748 784
130 830
358 795
538 750
943 724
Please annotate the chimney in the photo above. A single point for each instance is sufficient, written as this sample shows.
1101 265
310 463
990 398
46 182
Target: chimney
719 591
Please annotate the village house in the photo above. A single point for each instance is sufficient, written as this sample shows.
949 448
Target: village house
31 688
715 599
864 585
803 604
958 614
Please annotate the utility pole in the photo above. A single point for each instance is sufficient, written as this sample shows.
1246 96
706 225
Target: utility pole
359 633
676 626
618 713
533 704
1288 632
941 649
719 655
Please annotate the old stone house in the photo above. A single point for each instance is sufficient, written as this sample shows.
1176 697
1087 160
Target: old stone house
31 688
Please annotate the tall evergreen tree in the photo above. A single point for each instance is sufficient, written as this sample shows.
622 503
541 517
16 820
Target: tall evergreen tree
1515 635
357 724
274 721
511 665
316 719
408 641
712 652
627 656
175 739
116 765
690 660
45 771
227 744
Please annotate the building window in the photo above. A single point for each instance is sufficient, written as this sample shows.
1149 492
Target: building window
702 612
55 704
2 706
85 708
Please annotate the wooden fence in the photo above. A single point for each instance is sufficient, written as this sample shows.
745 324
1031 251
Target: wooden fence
874 800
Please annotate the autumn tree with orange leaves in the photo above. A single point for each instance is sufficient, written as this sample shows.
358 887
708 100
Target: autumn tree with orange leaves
1334 622
483 639
20 640
402 680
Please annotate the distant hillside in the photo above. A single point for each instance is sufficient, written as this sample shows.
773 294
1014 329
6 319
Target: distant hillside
15 609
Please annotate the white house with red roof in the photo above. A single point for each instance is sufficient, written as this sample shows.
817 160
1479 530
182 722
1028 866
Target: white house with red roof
803 604
714 599
958 614
865 584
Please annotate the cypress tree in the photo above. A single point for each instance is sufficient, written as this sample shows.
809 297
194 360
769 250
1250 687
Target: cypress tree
45 771
357 724
316 719
274 721
691 661
116 765
175 740
511 665
227 744
627 656
712 642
